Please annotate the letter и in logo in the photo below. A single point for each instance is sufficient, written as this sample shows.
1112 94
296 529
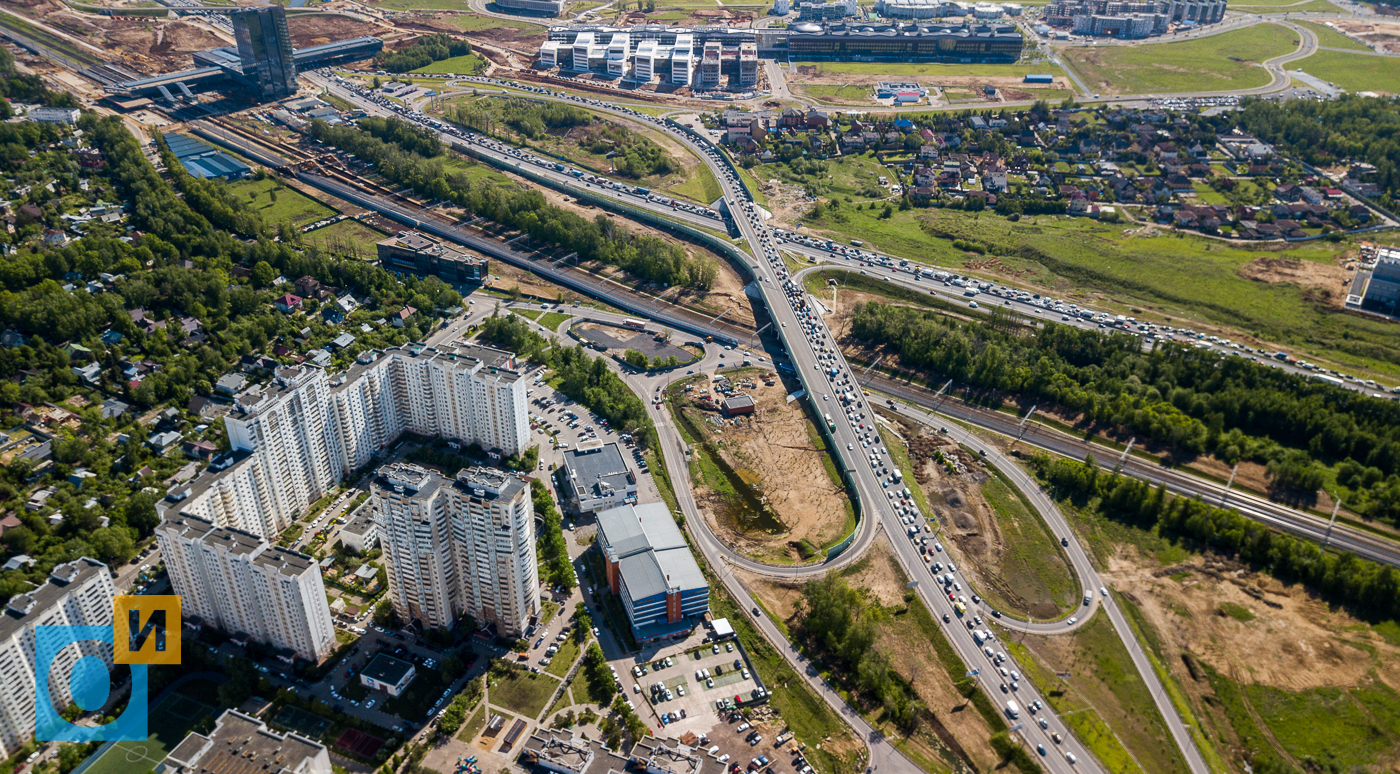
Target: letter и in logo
156 640
145 630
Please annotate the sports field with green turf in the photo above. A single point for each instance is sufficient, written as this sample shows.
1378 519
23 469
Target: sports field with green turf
169 722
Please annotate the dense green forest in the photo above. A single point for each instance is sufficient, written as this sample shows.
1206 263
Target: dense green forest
423 52
1329 132
1190 400
602 239
236 318
1370 590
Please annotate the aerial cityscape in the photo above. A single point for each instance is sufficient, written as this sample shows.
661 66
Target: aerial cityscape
701 387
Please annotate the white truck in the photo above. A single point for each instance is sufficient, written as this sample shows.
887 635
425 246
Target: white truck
1012 711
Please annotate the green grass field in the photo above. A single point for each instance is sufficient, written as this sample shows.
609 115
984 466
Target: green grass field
169 722
701 188
470 22
278 203
836 93
349 236
1104 702
1339 730
1353 72
1033 575
467 64
473 725
1330 38
1214 63
1176 275
523 693
883 69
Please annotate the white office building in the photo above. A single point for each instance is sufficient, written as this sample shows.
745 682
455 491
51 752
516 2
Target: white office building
294 439
78 593
454 546
235 581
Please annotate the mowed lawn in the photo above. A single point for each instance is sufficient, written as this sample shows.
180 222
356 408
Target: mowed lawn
1216 63
1353 72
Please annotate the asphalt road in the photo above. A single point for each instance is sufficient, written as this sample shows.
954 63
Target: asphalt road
823 371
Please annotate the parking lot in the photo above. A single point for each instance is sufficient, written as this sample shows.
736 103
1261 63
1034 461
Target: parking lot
554 414
701 674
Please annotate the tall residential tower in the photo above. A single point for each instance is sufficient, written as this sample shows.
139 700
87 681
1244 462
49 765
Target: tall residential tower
465 545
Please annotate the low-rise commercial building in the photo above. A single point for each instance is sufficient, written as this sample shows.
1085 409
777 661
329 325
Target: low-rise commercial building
417 253
650 567
594 477
238 742
388 674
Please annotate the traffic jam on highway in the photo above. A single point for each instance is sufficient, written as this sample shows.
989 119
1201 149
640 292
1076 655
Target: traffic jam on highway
968 287
839 382
971 289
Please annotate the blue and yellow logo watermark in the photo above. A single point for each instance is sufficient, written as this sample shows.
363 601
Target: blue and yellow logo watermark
145 630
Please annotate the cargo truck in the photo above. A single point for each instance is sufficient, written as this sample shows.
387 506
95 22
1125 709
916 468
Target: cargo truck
1012 711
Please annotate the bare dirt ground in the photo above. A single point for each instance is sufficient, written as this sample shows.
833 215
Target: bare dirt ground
773 451
315 30
156 45
1323 282
1294 642
878 575
1382 34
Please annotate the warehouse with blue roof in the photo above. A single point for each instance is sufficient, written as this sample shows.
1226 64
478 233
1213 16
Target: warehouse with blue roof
205 161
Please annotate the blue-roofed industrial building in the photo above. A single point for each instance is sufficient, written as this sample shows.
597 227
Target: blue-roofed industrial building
1039 78
205 161
650 567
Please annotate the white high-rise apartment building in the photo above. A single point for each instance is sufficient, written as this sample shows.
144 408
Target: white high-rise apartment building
78 593
465 545
238 582
294 440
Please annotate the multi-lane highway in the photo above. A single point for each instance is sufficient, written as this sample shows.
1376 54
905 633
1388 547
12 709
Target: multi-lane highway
832 388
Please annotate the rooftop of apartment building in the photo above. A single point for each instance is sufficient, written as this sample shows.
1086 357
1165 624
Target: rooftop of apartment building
240 543
23 609
500 363
260 397
241 744
489 483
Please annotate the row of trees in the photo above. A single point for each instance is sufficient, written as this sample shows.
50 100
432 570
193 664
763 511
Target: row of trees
552 551
601 239
424 51
1369 590
841 622
1188 399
